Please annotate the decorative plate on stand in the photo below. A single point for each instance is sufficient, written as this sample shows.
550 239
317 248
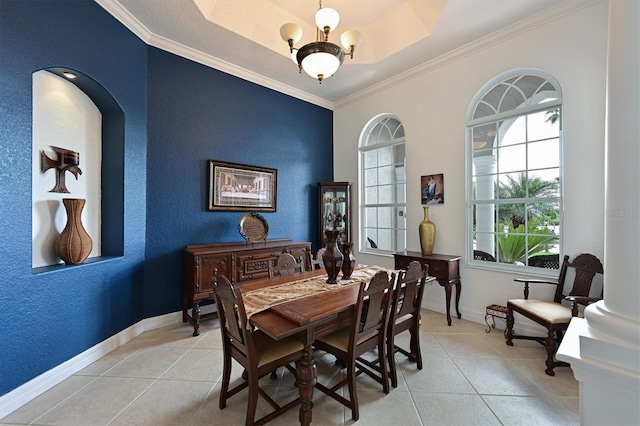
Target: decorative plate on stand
253 227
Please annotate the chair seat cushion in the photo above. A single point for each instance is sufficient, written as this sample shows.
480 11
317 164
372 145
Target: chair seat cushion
340 339
268 350
551 312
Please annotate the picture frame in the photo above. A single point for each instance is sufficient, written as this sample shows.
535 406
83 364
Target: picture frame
240 187
432 189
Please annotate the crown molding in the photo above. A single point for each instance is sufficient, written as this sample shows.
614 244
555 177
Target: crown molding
136 27
553 13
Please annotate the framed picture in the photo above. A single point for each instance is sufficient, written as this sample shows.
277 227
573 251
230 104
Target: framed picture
238 187
432 189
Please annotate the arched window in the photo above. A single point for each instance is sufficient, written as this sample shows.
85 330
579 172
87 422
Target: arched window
514 169
382 186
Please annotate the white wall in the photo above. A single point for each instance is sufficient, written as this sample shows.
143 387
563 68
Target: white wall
65 117
433 104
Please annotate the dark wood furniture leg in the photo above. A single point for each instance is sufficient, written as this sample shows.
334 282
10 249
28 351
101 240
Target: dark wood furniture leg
458 291
447 292
306 379
195 313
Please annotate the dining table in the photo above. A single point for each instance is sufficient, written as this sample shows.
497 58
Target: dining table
274 307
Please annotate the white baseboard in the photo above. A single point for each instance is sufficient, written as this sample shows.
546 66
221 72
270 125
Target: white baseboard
21 395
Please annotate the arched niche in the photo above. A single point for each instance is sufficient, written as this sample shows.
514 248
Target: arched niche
103 182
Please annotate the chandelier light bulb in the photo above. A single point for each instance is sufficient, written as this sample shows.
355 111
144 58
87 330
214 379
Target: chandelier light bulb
291 32
320 65
327 18
350 38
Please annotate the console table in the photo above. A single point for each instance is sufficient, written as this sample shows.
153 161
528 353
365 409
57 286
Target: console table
239 262
445 268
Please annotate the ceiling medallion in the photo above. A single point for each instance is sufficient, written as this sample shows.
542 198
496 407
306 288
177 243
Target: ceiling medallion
321 58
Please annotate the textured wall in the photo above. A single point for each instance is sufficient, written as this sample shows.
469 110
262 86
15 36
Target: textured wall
194 113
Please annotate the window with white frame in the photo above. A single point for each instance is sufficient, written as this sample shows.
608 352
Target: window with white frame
383 186
514 169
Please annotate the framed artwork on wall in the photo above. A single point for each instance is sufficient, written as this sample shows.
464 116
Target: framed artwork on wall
432 189
239 187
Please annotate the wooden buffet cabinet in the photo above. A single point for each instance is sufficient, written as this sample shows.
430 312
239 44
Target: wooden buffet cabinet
239 262
445 268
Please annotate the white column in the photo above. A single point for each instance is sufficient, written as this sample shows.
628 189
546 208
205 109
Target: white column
604 347
485 167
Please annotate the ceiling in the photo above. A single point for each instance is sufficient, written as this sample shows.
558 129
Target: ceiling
241 37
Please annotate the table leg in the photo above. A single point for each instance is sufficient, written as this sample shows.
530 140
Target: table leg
447 291
306 379
458 290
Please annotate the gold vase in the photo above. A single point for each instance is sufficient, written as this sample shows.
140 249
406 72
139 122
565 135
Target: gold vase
427 231
74 243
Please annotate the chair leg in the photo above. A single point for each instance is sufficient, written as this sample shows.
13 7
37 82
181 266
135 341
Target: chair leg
550 345
226 376
509 330
391 350
353 395
382 358
415 346
252 403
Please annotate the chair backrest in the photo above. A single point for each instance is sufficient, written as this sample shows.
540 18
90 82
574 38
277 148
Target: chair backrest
285 265
233 317
547 261
318 260
481 255
372 308
586 266
407 296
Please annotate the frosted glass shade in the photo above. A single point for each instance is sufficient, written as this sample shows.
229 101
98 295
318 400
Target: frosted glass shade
320 65
350 38
291 32
327 17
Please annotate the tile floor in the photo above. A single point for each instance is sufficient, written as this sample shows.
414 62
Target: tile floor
168 377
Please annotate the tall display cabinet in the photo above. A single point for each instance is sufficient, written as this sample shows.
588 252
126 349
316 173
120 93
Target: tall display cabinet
334 210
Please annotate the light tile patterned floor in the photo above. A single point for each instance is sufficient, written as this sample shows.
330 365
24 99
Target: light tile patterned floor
168 377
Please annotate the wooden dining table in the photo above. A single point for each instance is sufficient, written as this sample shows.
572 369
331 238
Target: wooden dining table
310 317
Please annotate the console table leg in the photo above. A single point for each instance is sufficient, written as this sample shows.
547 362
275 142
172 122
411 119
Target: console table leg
447 290
458 291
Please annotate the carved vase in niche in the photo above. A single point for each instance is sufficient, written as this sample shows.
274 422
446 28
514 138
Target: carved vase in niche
74 244
348 260
332 257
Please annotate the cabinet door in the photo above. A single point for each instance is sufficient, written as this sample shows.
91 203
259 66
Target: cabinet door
335 209
207 268
254 265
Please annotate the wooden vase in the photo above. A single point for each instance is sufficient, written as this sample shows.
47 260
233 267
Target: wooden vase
332 257
74 244
348 260
427 231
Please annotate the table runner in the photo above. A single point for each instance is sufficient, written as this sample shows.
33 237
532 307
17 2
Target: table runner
264 298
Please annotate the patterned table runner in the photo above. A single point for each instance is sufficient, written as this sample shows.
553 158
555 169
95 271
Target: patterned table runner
262 299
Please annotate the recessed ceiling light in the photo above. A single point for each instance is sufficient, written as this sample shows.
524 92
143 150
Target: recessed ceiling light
69 75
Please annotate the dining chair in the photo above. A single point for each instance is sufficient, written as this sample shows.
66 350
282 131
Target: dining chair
318 259
367 332
255 351
405 315
552 314
286 264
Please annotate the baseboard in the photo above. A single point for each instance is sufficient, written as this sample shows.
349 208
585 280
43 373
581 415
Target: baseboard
21 395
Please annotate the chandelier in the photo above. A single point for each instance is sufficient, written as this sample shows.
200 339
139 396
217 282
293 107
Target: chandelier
321 58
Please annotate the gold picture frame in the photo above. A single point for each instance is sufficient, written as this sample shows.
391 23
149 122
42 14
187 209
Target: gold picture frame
239 187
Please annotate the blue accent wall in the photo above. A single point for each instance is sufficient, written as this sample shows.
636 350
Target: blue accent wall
177 114
196 114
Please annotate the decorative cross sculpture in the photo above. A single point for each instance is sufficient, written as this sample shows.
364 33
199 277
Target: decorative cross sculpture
67 161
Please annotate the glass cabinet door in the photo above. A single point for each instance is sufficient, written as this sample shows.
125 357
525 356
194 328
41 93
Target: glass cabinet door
335 210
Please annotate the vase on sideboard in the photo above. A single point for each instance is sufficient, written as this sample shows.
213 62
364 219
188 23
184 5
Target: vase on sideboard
427 230
332 257
74 244
348 260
